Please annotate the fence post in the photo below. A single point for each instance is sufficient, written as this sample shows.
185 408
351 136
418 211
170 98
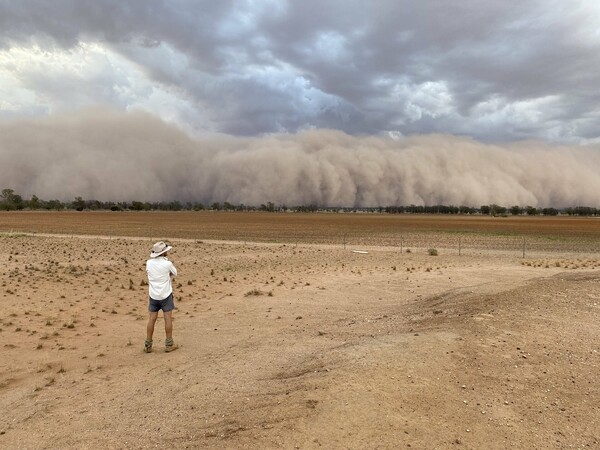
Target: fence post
523 246
459 246
344 241
401 242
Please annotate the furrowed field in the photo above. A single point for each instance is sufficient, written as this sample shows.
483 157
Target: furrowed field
578 234
291 339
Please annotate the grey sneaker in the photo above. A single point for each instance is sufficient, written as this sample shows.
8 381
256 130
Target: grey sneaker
148 346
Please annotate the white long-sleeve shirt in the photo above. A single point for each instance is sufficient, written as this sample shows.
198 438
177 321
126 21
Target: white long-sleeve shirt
159 271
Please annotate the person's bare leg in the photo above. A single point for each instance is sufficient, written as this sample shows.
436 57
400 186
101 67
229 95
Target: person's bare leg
169 324
150 328
150 331
169 344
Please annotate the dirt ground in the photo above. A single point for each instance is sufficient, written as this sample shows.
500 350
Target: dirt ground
297 346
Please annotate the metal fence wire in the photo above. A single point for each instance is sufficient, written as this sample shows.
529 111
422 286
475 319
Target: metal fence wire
478 244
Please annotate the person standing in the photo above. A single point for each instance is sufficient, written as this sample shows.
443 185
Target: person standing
160 270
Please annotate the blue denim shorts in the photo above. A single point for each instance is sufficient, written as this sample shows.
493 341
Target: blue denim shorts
166 305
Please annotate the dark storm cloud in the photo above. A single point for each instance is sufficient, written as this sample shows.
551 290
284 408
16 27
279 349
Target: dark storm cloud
496 70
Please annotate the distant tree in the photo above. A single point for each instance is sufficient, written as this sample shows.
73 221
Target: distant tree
485 209
7 200
54 204
34 202
18 202
94 205
516 210
584 211
228 206
216 206
137 205
78 204
531 211
550 212
198 206
417 209
270 207
10 201
174 206
306 208
497 210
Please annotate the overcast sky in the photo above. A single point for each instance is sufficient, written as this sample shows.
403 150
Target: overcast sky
495 70
332 102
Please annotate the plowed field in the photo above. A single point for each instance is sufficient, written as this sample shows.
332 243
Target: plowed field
376 229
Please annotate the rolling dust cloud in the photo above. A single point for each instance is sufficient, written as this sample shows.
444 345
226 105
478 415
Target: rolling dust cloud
108 155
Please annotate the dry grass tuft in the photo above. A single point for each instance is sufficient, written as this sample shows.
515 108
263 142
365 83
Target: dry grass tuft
254 292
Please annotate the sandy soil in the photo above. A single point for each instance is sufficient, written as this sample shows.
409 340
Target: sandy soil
286 346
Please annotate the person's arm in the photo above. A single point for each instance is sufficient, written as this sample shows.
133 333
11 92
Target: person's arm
173 270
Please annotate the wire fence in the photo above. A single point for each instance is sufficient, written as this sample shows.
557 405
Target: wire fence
479 244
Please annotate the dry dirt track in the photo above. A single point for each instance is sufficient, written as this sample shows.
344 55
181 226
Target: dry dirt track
337 350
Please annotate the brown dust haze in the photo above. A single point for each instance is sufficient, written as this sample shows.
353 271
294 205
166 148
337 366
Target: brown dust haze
108 155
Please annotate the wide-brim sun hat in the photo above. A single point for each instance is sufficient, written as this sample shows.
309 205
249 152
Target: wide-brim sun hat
159 248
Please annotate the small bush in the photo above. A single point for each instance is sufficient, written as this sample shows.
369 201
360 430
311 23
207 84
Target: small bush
432 252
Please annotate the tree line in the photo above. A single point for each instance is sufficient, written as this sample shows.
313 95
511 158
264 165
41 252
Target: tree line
11 201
